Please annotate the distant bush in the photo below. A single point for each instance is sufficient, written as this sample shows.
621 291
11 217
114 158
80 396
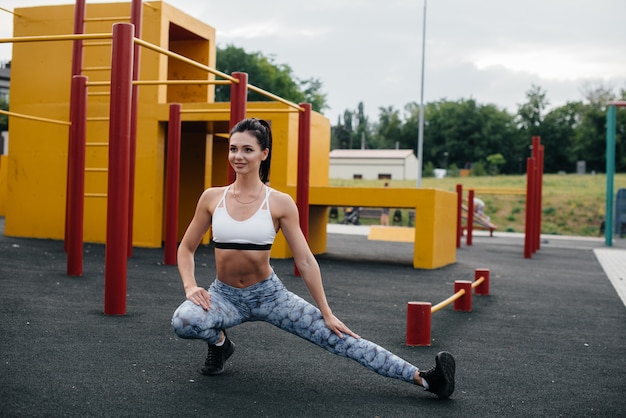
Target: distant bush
428 170
478 169
453 171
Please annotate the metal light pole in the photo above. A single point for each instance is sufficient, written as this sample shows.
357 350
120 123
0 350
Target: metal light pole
420 135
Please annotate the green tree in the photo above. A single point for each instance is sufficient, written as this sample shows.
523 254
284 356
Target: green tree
478 169
557 136
341 134
530 114
362 127
529 119
495 161
620 134
388 129
589 142
428 170
264 73
410 129
464 132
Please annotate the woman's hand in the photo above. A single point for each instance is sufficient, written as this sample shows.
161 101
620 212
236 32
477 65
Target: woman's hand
199 296
338 327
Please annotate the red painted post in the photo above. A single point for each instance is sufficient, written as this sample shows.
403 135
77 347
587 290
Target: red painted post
238 104
459 214
172 184
470 217
76 175
483 288
538 191
304 162
119 164
464 303
529 227
418 323
535 155
77 67
135 19
77 44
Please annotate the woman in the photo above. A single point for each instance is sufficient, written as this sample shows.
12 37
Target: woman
245 217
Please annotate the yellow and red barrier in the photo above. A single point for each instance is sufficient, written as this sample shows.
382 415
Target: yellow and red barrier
419 314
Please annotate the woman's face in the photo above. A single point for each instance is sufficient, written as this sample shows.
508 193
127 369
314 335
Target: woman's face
245 154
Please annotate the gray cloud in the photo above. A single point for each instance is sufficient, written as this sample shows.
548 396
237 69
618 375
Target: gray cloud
370 51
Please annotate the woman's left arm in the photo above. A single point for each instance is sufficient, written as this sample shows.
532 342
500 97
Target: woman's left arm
289 222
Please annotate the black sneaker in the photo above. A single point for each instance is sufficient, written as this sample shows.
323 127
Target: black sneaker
217 356
441 377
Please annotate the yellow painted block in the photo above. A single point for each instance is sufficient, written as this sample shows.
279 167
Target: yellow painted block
435 218
391 233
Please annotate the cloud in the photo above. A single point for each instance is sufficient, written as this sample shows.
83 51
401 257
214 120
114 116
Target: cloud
269 31
370 51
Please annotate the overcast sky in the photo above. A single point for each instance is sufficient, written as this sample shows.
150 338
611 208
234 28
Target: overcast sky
370 50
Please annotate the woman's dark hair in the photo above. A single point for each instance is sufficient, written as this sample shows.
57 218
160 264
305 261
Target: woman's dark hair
262 132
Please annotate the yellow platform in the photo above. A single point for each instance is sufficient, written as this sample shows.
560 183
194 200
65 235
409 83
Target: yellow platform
391 233
434 235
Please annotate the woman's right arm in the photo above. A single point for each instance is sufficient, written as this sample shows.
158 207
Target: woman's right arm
198 226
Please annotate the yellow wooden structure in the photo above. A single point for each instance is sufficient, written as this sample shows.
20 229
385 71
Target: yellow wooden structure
35 171
435 218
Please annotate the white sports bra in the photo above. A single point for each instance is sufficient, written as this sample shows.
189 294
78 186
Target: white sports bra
255 233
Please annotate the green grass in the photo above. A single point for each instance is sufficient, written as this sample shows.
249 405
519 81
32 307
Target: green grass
571 204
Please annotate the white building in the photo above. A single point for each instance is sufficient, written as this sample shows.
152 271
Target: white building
373 164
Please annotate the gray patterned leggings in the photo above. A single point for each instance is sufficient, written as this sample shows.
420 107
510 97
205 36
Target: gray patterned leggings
271 302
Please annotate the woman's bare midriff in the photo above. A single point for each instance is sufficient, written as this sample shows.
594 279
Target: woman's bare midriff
242 268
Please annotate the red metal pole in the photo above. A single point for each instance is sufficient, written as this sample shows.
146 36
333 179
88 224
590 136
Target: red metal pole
536 156
483 288
464 303
77 66
77 45
470 217
76 175
529 227
119 165
459 214
135 19
304 161
238 104
418 323
538 192
172 184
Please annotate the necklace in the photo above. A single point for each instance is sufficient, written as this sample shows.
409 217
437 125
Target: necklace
247 203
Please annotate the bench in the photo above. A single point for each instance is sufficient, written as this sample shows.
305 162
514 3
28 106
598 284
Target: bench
482 228
366 213
374 213
488 226
371 213
480 222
